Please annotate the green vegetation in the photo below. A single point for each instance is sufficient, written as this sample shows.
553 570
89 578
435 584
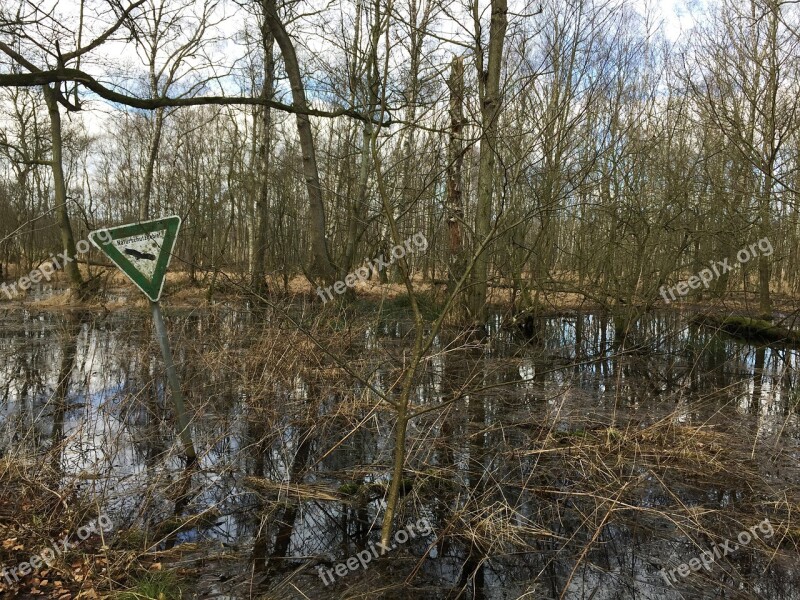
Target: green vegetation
158 585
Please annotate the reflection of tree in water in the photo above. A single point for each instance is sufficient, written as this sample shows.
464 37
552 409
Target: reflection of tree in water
539 472
69 349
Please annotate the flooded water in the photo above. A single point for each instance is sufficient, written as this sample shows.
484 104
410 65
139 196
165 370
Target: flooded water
563 464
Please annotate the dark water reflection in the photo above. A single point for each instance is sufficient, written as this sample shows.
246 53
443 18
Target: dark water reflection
92 386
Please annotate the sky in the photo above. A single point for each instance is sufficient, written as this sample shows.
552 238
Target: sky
674 14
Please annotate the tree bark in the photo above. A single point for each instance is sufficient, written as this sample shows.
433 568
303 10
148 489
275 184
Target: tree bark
152 157
60 190
321 265
489 84
258 274
769 153
455 163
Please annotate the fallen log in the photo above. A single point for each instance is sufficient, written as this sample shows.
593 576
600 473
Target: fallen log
749 329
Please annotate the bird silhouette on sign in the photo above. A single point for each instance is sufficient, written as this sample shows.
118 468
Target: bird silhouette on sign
139 255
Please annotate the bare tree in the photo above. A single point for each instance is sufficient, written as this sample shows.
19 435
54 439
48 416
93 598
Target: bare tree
489 73
167 36
321 265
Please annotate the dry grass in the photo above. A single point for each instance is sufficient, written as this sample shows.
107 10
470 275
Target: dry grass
523 486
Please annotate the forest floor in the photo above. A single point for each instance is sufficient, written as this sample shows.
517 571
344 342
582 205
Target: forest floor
180 291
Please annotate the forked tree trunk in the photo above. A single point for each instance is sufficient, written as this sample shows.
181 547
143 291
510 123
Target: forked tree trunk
490 113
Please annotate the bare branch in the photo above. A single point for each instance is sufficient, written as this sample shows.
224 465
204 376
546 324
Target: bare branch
39 77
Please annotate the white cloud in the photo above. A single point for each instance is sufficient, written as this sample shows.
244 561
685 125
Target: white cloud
674 15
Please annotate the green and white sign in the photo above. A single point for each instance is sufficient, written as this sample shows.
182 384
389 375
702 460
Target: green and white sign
141 250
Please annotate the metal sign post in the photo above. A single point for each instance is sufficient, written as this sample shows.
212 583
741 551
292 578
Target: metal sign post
142 251
174 384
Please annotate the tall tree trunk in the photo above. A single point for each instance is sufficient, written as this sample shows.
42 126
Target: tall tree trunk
357 223
419 19
489 84
455 163
251 209
764 266
321 263
60 189
355 215
152 157
769 153
258 274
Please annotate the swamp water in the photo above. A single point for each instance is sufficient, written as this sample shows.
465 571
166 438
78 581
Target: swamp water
563 465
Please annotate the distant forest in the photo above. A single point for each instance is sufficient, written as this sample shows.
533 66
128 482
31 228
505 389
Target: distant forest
572 147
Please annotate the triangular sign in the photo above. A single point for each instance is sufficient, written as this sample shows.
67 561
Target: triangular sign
141 251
